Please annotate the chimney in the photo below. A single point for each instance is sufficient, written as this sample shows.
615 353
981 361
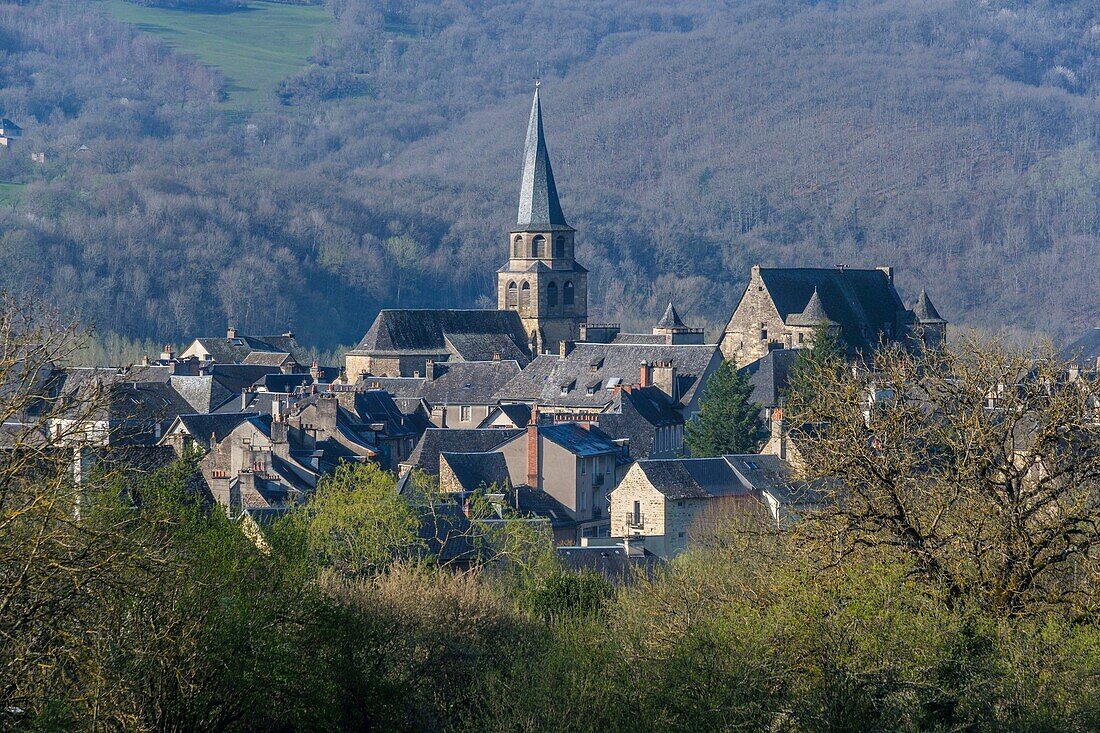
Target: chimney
565 348
231 332
533 449
496 356
145 360
429 370
316 372
779 432
643 378
664 378
168 354
244 400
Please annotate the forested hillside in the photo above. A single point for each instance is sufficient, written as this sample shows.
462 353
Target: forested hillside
958 141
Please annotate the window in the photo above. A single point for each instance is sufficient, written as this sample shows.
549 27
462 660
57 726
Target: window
552 294
511 299
525 295
517 246
464 413
584 500
559 247
567 293
637 512
801 338
610 463
679 503
763 334
584 466
538 246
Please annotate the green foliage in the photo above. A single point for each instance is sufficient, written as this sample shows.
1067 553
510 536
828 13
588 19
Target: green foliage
823 357
564 595
728 422
357 523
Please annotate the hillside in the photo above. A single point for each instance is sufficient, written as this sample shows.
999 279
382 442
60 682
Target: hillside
956 141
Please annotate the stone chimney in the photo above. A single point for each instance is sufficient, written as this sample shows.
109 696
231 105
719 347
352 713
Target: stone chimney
496 356
644 375
316 372
145 360
664 379
778 439
429 370
231 332
533 449
565 348
168 354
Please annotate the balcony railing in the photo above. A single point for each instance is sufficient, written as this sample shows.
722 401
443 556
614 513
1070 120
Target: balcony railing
635 521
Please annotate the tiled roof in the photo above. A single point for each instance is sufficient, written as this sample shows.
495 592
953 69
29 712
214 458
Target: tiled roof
671 319
541 381
471 335
479 470
579 440
539 208
201 427
769 376
437 440
862 302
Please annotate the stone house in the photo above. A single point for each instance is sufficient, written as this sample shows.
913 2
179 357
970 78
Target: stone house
281 351
667 504
781 307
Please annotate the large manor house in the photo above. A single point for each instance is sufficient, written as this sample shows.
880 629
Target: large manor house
552 417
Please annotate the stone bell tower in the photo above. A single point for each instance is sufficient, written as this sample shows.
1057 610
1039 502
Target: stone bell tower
542 280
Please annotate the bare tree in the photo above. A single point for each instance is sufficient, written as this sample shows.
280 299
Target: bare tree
981 464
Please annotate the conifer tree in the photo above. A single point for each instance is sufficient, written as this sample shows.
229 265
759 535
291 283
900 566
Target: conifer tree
729 421
824 356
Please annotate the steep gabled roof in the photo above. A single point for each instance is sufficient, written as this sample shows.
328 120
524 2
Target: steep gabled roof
202 427
862 302
925 311
437 440
473 335
539 208
671 319
475 471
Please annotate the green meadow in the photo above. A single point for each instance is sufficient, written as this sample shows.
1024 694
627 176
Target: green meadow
255 47
11 193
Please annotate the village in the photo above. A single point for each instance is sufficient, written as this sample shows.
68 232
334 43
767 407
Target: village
555 419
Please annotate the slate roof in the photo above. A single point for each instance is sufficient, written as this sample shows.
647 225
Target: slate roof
671 319
925 311
724 476
541 380
235 350
519 413
465 382
862 302
201 427
269 358
239 377
1085 350
437 440
641 410
813 314
377 406
204 393
535 502
579 440
539 208
769 376
479 470
616 564
470 335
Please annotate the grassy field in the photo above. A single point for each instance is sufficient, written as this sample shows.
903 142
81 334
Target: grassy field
11 193
254 48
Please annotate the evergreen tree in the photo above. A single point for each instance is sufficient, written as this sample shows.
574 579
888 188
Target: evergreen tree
729 421
824 356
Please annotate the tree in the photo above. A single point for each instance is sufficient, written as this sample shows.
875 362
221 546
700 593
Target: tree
823 356
357 523
979 464
728 422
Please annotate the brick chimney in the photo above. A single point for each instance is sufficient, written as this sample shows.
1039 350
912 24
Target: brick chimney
644 376
533 449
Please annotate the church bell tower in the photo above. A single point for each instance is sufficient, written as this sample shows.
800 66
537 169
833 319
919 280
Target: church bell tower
542 280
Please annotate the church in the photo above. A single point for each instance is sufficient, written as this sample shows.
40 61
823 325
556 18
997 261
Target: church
542 292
